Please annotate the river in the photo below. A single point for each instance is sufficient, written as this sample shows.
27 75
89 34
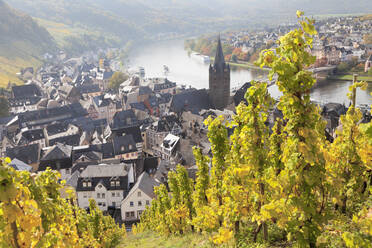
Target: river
187 70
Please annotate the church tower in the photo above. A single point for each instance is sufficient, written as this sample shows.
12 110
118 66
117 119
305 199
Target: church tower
219 80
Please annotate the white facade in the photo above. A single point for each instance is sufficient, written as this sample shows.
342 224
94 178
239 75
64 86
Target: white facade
134 204
103 197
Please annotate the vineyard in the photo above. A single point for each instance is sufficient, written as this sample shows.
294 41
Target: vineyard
288 184
285 186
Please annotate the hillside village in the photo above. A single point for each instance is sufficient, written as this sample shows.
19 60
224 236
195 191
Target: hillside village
338 40
116 146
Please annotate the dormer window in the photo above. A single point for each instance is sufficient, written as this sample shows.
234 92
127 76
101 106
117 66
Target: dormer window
130 147
117 183
122 148
112 183
89 184
85 184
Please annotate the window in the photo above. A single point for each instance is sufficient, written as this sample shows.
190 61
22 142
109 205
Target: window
99 204
113 194
139 193
122 148
89 184
139 203
98 195
100 186
85 184
147 202
103 195
130 147
131 214
118 194
117 183
85 195
103 204
127 214
112 183
114 204
131 204
67 171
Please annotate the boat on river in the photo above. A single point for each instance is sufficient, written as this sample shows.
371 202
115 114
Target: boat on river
200 57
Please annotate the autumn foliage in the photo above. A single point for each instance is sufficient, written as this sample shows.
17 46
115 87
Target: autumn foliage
285 183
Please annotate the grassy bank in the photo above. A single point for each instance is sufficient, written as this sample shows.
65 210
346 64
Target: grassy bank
350 78
151 240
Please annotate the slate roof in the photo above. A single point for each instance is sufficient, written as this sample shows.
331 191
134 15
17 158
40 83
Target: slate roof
134 131
19 165
33 135
104 174
100 101
122 144
71 140
56 152
44 116
123 119
91 155
88 88
144 90
191 100
138 105
17 102
55 128
28 154
239 95
25 91
146 184
107 150
335 109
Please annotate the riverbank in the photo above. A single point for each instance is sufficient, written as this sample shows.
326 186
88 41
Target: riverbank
350 78
246 65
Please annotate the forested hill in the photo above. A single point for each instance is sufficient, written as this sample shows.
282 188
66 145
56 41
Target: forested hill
22 41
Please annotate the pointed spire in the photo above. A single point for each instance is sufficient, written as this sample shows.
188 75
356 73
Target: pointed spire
219 60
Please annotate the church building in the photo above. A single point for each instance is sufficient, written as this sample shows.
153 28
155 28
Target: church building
219 80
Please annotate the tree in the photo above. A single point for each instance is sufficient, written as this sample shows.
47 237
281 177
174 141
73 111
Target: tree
117 79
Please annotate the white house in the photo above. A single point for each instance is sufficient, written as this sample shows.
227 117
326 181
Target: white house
106 184
138 198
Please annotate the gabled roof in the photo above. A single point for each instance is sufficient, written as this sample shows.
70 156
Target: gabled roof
19 165
191 100
103 174
123 119
146 184
124 144
57 152
134 131
240 93
25 91
101 101
88 88
28 154
71 140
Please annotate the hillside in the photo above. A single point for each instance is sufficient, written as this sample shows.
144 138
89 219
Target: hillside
22 41
130 19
